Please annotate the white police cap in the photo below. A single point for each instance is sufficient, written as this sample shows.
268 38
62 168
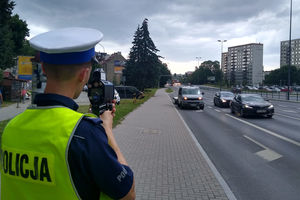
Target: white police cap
73 45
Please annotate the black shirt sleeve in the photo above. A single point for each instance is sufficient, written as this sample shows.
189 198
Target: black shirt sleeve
94 165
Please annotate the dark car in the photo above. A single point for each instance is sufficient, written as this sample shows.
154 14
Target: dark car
223 98
251 104
190 96
236 90
129 92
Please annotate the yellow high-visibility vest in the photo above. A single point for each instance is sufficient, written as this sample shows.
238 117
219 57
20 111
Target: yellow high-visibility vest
35 155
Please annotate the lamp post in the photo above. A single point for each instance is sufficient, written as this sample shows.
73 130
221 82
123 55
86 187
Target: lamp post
198 59
290 54
221 61
102 47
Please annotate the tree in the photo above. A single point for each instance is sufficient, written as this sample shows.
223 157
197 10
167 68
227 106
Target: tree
143 67
206 69
13 31
165 74
280 76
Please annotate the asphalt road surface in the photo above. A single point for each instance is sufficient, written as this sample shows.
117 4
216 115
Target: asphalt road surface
257 157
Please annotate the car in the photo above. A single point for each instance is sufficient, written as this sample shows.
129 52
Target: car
251 104
85 88
190 96
117 97
223 98
236 90
129 92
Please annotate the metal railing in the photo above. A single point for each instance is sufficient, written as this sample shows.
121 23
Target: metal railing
294 96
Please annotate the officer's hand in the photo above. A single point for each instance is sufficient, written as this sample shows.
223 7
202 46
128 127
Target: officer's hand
114 107
107 118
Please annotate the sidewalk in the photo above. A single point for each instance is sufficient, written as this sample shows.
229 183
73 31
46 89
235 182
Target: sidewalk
12 110
163 155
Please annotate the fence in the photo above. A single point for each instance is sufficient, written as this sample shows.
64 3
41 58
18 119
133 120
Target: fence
294 96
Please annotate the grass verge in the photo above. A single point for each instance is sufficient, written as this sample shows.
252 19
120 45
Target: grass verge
7 103
169 90
126 106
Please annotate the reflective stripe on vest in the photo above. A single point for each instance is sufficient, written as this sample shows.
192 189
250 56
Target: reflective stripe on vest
35 155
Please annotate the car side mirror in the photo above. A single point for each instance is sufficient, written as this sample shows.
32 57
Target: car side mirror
202 93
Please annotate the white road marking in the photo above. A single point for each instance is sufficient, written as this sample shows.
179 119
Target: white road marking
222 182
288 116
217 110
289 111
266 154
282 106
266 131
209 106
200 111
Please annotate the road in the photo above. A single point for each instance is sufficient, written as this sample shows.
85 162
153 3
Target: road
257 157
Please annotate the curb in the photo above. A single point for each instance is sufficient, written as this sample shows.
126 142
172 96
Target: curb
218 176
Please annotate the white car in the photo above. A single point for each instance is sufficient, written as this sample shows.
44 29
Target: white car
117 97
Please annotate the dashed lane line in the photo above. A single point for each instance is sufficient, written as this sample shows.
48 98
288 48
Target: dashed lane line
289 111
217 110
288 116
266 131
282 106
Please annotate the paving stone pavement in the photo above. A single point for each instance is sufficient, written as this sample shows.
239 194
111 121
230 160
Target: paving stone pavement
165 159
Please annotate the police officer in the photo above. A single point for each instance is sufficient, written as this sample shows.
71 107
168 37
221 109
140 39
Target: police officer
50 151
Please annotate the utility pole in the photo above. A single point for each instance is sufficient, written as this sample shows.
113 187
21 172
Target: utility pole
198 59
221 61
290 54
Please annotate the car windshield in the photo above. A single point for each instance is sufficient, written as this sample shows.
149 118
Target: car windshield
252 98
227 94
194 91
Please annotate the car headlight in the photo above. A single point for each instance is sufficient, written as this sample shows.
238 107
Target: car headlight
271 106
200 98
223 100
185 98
247 106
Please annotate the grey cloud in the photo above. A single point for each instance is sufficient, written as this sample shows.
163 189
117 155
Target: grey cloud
181 29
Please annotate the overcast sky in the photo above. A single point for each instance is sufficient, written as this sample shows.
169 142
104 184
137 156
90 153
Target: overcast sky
181 29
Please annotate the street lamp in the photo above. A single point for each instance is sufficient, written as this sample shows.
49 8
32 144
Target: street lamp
102 47
290 54
221 61
198 59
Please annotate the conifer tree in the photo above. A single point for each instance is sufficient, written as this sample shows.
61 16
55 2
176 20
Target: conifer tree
143 68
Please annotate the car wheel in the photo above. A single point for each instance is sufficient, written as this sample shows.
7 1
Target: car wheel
242 113
269 116
232 111
202 107
215 102
181 106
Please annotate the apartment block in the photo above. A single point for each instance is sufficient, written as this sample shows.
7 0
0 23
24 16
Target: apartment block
224 62
244 64
295 52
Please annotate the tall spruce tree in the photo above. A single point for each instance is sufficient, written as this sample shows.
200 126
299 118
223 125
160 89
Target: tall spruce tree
143 67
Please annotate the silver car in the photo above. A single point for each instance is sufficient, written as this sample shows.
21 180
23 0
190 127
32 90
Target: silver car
190 96
117 97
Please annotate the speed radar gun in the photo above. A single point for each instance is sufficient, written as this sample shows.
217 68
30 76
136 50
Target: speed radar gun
100 93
